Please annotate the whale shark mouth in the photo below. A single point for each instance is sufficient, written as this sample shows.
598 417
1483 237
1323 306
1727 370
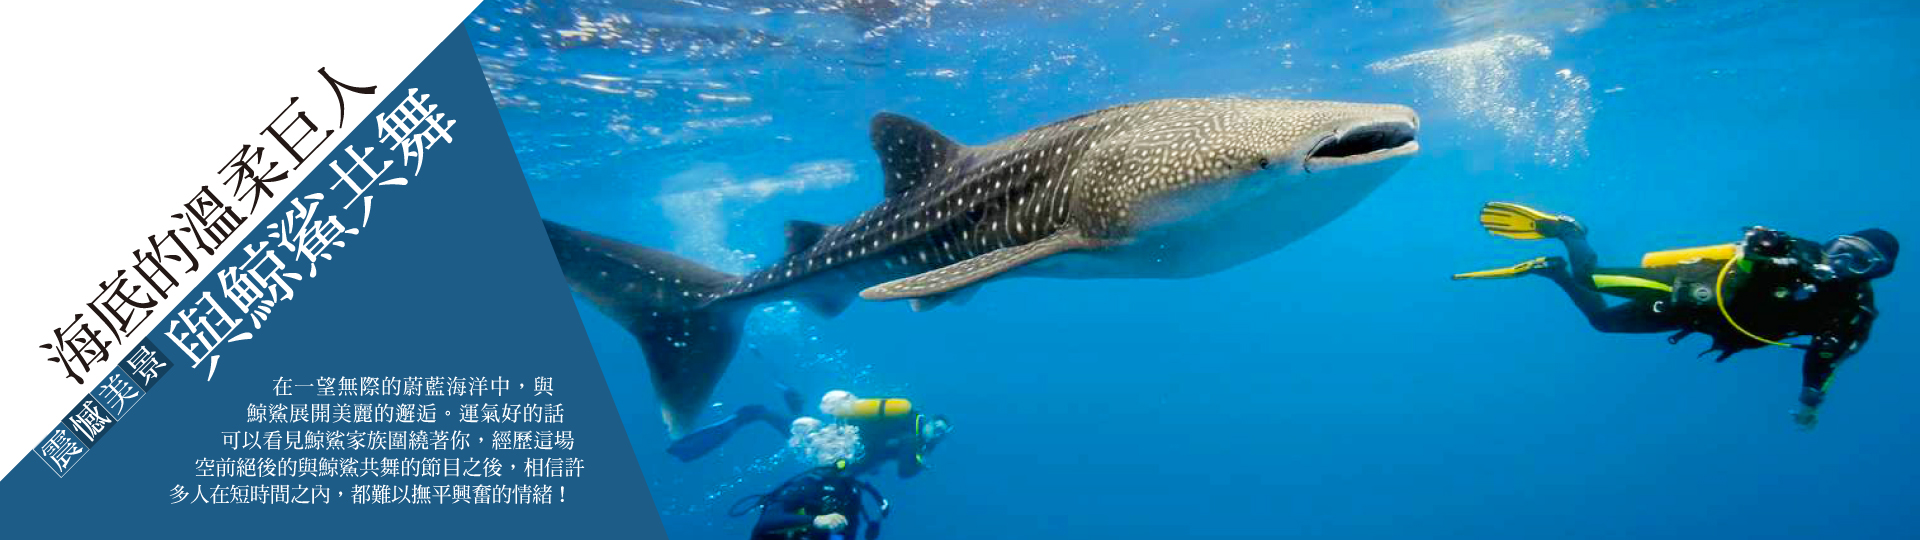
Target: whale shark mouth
1360 145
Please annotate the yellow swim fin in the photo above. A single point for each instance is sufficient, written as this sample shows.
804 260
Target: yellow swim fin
1508 272
1521 223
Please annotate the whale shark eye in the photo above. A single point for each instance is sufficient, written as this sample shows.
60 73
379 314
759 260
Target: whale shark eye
1263 163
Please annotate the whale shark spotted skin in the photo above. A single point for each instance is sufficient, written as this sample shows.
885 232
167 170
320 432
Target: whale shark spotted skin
1173 188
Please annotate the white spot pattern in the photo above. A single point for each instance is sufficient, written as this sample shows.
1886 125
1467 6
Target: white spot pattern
1098 173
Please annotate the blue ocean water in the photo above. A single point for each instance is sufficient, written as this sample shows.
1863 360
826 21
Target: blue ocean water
1340 388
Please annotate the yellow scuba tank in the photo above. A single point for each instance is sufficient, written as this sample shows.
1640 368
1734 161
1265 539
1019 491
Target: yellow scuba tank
875 408
1676 257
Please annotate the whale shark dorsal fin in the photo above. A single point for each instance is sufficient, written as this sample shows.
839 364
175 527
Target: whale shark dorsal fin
802 235
910 152
957 276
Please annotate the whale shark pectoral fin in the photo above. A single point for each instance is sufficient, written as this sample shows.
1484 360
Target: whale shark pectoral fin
927 303
958 297
957 276
962 296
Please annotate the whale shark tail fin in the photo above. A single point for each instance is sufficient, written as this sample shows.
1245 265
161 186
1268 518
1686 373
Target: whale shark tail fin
675 307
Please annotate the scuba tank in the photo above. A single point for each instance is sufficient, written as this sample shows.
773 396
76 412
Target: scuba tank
1691 291
1677 257
877 408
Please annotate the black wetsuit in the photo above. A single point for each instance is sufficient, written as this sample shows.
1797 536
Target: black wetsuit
787 512
1775 296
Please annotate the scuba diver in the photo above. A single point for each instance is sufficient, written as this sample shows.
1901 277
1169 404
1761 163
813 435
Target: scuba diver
1757 292
866 433
819 504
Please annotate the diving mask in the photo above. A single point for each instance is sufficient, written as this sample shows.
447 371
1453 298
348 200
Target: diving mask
1854 257
935 429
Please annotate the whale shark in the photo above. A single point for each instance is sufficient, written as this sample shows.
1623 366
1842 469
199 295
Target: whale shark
1160 189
